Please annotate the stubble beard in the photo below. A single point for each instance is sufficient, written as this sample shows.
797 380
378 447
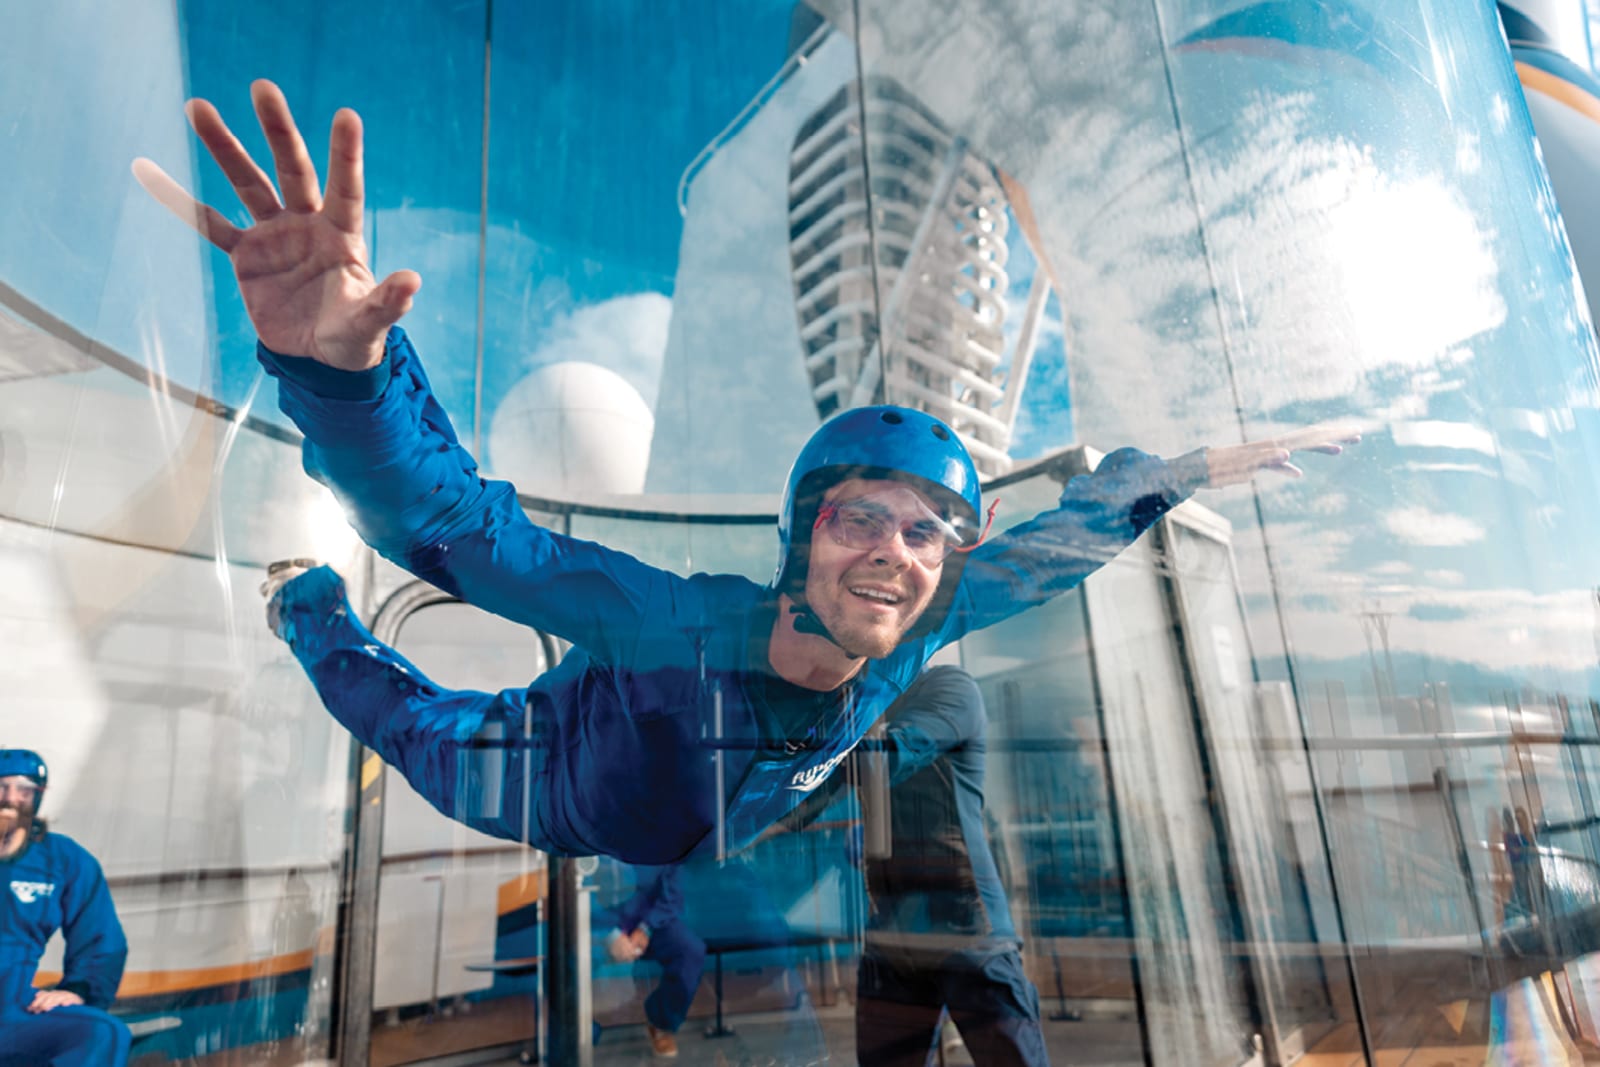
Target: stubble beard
864 642
872 645
20 819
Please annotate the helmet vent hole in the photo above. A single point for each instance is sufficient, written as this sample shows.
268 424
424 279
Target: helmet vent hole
893 418
940 432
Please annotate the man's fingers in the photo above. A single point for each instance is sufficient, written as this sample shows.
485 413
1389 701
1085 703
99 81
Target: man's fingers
382 308
1232 464
1270 459
172 196
389 302
400 287
1275 459
1329 439
51 999
249 181
346 185
297 175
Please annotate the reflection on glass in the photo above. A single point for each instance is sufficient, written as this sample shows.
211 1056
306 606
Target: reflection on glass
1313 772
939 939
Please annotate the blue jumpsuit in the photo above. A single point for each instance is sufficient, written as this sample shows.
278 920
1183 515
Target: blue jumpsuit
668 687
54 884
939 935
657 905
706 906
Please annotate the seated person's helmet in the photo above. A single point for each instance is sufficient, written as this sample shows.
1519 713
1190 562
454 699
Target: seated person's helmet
21 761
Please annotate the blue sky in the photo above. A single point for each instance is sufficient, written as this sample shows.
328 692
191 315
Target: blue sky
595 110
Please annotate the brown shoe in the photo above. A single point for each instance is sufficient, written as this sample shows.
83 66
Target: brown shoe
662 1043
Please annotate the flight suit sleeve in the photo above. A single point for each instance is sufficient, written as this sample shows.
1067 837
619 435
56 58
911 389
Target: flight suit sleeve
1098 516
657 901
381 441
96 950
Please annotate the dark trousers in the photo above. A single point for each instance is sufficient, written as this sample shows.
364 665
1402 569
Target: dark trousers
682 956
72 1036
900 995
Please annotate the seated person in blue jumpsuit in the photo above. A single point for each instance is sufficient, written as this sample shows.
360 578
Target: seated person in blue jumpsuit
650 926
690 712
939 935
51 883
680 913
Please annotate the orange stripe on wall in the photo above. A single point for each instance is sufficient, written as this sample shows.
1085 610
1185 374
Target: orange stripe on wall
520 892
151 983
1547 84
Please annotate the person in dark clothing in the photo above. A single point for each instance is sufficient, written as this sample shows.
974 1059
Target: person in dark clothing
51 884
691 712
679 914
939 934
650 926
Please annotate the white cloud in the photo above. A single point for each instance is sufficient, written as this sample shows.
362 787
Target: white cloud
1434 529
1328 504
626 334
1438 433
1503 629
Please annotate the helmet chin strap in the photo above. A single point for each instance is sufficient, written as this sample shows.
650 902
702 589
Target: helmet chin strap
806 622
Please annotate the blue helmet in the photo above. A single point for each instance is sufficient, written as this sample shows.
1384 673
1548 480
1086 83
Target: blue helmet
887 442
20 761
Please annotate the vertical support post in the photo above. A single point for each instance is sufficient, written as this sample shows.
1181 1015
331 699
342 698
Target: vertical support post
568 1044
358 952
1458 839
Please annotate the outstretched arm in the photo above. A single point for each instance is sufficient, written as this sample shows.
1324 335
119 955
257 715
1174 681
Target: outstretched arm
1103 512
430 734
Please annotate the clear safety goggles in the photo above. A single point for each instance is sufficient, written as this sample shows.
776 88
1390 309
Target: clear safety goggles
866 522
19 788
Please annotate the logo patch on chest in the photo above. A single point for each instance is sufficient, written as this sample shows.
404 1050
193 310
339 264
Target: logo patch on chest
807 780
28 892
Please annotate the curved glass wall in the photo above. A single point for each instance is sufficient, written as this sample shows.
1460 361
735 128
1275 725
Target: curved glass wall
1307 775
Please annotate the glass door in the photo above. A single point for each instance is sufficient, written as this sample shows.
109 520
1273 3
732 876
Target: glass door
1252 739
1194 989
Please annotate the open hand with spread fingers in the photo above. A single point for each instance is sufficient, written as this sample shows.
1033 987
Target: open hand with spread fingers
302 266
1233 464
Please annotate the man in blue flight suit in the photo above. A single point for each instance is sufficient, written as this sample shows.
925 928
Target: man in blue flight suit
939 936
650 926
690 712
51 883
681 912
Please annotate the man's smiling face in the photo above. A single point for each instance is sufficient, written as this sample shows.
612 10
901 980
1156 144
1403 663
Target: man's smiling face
869 597
19 798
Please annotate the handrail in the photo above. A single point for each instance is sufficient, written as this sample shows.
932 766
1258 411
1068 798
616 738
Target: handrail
1408 742
796 59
